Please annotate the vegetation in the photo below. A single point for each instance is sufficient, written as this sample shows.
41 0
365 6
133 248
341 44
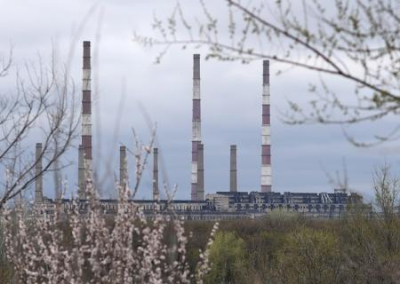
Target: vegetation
5 266
278 248
41 105
69 247
287 248
226 255
291 249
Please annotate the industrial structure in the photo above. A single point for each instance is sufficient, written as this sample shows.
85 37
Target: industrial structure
196 124
219 205
266 133
85 149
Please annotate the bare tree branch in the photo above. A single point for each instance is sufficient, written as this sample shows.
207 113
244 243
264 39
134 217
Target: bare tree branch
43 104
357 41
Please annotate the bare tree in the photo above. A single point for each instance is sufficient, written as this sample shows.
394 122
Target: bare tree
357 41
387 189
41 106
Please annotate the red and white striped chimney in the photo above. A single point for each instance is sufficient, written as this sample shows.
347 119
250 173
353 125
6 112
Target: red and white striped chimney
266 133
196 123
86 111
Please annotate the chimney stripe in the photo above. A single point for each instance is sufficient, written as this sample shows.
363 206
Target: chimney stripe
196 110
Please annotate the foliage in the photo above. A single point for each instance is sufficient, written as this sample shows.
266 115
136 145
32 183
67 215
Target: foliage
69 247
5 267
279 249
227 259
354 249
310 256
387 189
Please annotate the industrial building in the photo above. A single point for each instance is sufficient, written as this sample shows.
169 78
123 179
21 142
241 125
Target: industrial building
212 206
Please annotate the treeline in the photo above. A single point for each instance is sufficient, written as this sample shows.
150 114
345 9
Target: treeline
286 248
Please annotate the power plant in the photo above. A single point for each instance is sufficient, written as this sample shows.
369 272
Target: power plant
201 206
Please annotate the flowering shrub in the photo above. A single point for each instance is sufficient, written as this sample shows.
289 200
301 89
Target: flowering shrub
74 247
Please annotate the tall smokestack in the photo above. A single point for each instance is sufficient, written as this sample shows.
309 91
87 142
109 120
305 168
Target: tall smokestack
196 120
200 172
266 133
156 192
39 175
123 168
233 170
86 112
81 175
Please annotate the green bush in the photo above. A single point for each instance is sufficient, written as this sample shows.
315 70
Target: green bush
228 259
310 256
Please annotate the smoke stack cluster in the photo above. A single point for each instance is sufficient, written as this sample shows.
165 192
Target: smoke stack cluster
266 133
156 191
86 113
233 170
196 123
197 169
39 175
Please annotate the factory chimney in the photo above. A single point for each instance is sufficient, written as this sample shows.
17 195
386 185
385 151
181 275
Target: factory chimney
123 168
196 121
81 175
200 172
86 113
156 191
266 134
39 174
233 170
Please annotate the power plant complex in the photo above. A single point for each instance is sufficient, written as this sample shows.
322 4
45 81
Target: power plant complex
211 206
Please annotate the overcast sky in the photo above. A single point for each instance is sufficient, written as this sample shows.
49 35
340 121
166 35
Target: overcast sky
231 101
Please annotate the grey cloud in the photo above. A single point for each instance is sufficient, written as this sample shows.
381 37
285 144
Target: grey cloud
231 98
